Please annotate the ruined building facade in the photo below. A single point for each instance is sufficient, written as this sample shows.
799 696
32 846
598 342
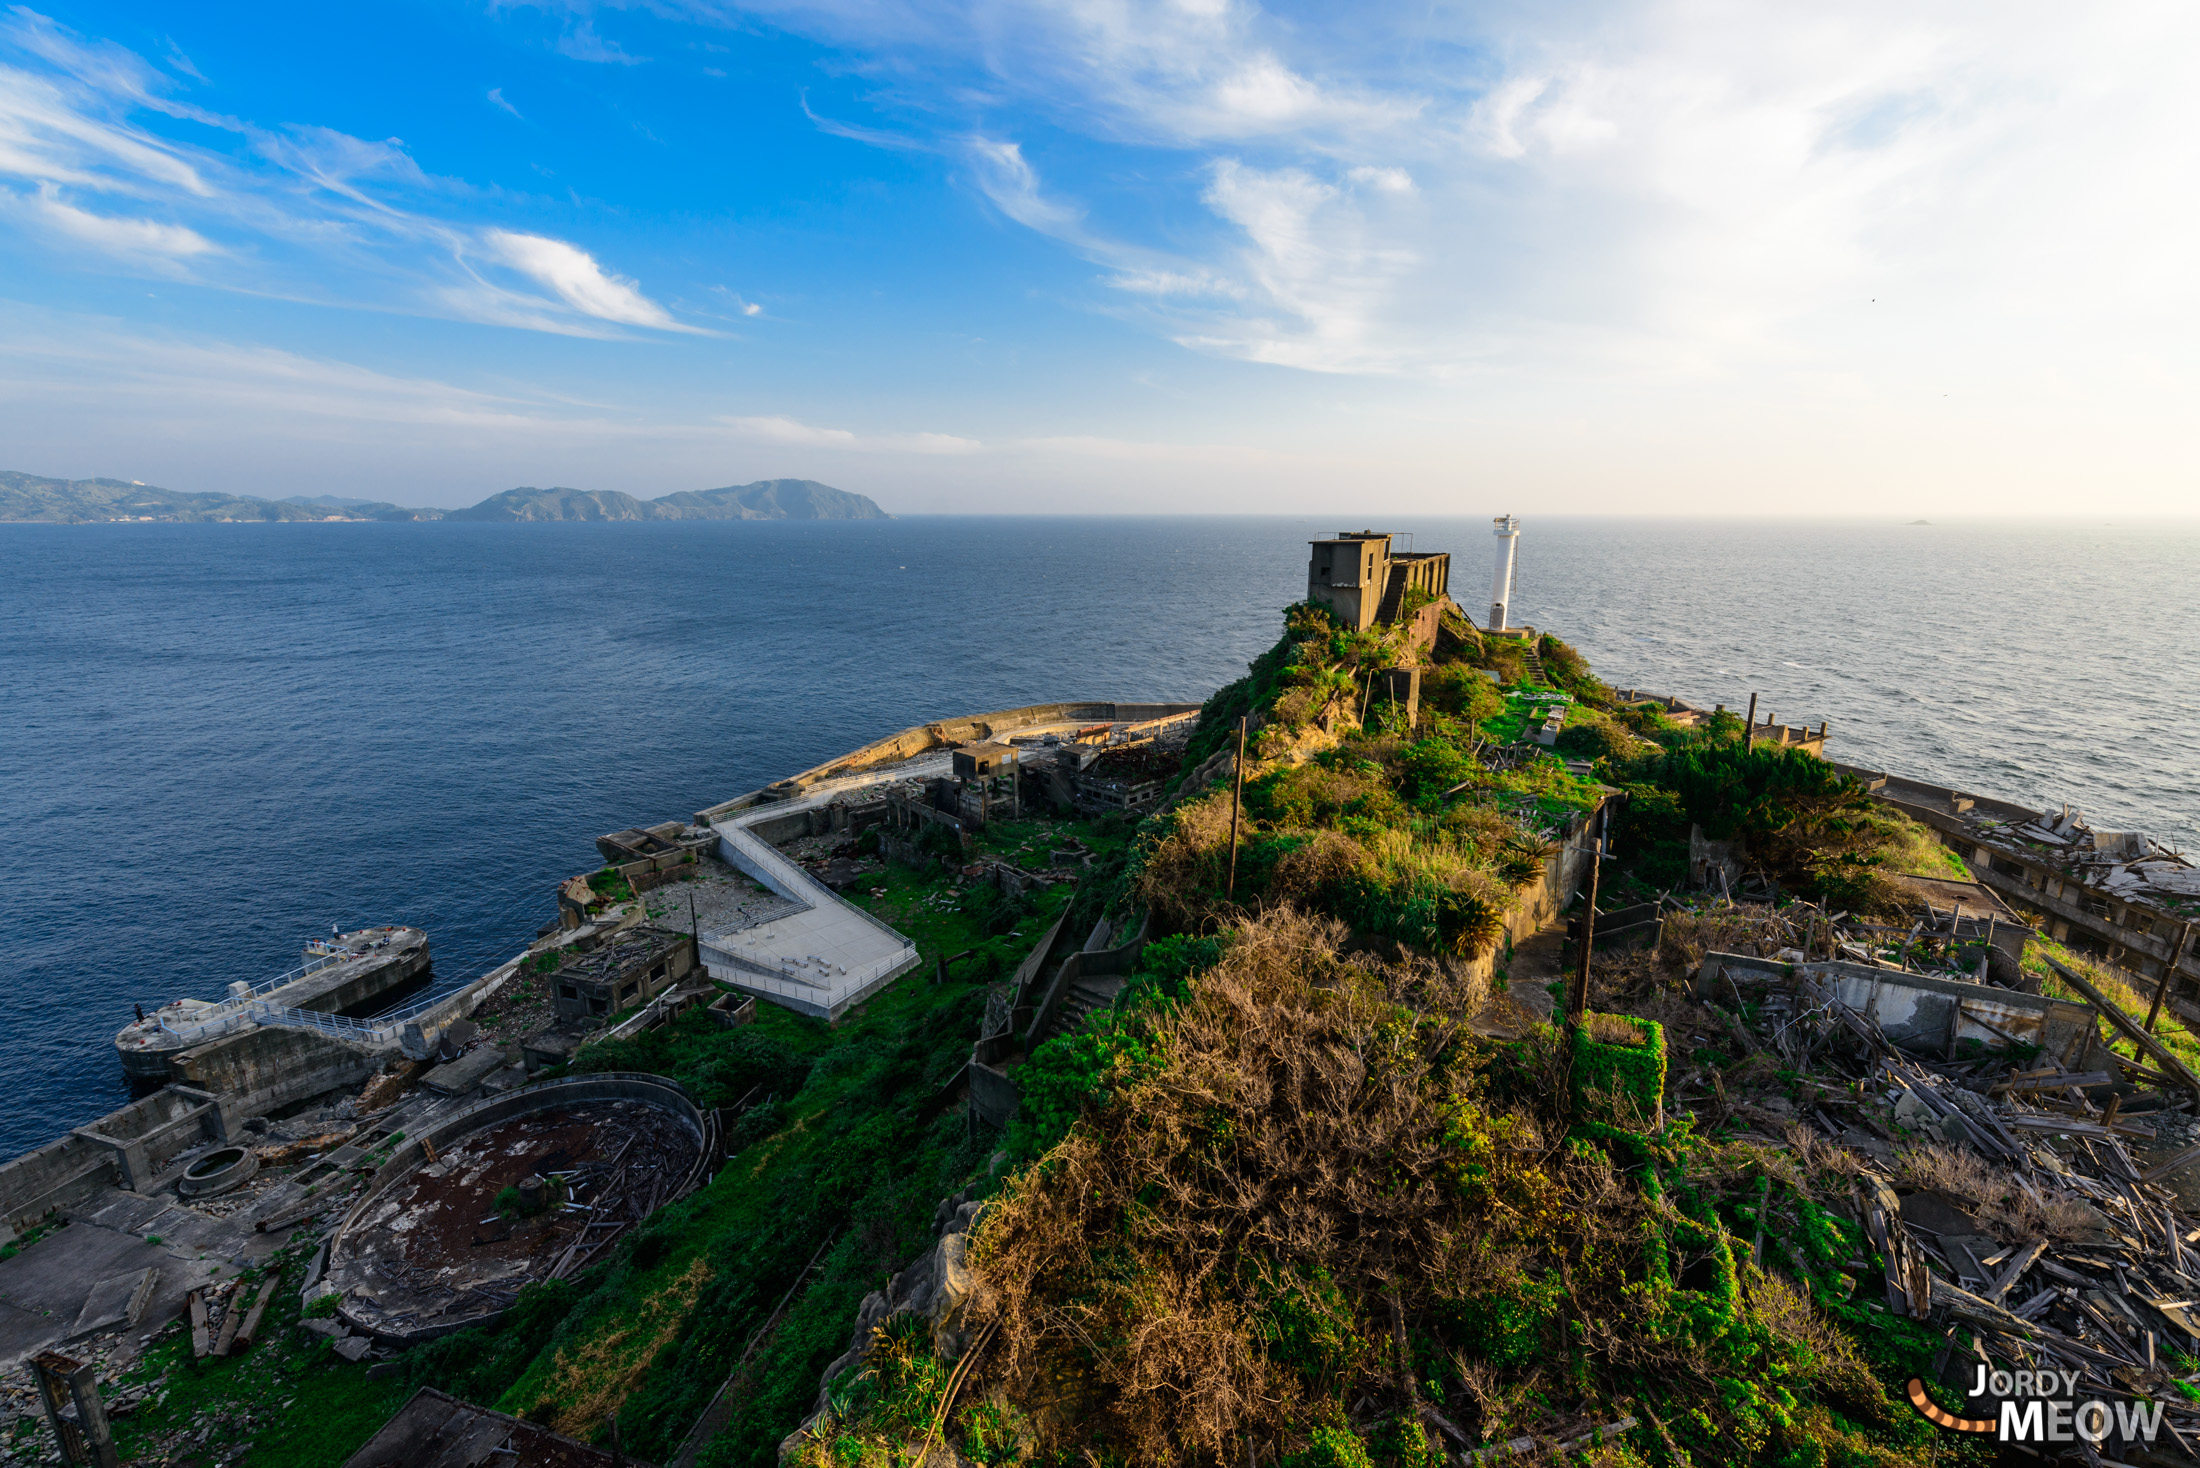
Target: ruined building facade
1363 581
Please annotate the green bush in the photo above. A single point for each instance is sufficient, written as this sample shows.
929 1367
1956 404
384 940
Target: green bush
1593 736
1570 671
1460 690
1630 1072
716 1067
1332 1447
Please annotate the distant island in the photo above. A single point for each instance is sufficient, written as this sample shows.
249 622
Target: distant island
30 497
767 499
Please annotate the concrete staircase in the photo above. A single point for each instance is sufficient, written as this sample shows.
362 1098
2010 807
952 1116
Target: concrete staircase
1085 998
1536 676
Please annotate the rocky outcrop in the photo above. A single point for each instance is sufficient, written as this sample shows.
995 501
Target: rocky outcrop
938 1288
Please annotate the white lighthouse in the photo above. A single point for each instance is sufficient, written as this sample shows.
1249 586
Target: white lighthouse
1501 588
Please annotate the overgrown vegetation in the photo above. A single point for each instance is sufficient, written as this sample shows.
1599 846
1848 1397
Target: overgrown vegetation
1321 1221
1282 1206
1279 1205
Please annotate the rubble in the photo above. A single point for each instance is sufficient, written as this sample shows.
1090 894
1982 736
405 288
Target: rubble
2023 1183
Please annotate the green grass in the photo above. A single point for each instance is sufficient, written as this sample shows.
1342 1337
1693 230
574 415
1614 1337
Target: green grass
291 1397
2130 993
852 1161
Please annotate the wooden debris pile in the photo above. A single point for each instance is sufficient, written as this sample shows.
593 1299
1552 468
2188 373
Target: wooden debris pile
2031 1194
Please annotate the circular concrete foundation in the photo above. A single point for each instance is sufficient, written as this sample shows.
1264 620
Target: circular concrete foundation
439 1245
219 1171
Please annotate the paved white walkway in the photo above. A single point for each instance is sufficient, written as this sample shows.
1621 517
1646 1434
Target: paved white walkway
832 954
820 960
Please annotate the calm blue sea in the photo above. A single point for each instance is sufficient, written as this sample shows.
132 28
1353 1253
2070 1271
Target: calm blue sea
219 740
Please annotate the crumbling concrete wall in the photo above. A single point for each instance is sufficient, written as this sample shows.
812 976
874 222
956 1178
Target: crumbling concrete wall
270 1066
1920 1013
55 1176
910 743
148 1135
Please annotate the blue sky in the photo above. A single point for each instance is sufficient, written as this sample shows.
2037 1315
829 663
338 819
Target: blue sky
1109 254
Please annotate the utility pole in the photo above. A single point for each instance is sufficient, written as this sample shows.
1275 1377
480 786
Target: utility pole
1237 798
1749 725
1577 994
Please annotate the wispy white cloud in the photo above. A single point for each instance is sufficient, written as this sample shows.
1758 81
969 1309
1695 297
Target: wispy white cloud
302 211
778 429
497 99
578 280
119 235
1677 187
580 42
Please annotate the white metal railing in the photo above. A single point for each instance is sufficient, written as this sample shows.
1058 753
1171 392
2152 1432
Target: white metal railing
376 1029
232 1013
237 1010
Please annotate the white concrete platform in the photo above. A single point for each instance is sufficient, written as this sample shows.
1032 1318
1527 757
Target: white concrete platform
833 955
821 960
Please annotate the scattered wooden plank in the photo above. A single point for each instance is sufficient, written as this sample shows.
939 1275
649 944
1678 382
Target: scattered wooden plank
2052 1081
200 1343
2157 1173
2014 1270
230 1324
251 1326
2130 1028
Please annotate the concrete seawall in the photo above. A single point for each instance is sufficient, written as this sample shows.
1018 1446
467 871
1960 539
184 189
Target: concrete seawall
919 739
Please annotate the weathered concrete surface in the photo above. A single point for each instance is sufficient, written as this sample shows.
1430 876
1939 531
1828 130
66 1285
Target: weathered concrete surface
44 1289
909 743
268 1067
820 961
1923 1014
116 1302
459 1076
350 982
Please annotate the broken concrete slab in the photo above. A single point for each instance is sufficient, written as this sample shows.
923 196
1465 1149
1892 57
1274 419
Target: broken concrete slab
353 1347
116 1302
456 1077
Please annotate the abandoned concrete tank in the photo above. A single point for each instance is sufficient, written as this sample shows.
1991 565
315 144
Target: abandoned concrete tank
530 1185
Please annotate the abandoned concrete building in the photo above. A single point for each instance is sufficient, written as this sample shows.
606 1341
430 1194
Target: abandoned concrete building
637 964
2116 894
1363 581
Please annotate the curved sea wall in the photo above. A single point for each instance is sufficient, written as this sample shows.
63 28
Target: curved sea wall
942 734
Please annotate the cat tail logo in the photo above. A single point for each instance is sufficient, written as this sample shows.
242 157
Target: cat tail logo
1932 1412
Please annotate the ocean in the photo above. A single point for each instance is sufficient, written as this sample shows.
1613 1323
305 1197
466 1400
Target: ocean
221 739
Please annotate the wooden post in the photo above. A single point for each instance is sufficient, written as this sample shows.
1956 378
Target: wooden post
1577 994
1237 798
1749 725
2169 972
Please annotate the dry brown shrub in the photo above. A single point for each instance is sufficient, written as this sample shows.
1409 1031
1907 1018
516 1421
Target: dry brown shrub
1193 859
1479 829
1297 706
1751 930
2005 1210
1296 1126
1330 857
1613 1029
1310 1114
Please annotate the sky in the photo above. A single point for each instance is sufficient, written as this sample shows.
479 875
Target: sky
1095 256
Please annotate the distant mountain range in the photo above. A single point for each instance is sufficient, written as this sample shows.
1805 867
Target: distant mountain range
79 501
86 501
767 499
